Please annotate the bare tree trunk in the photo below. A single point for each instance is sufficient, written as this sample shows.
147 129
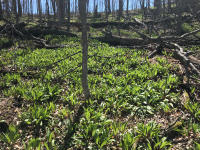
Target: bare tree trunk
87 6
76 7
1 10
84 42
106 9
142 8
14 10
61 11
68 14
7 7
127 6
39 10
28 8
31 8
120 9
109 9
23 6
47 10
148 4
19 8
94 6
53 2
113 8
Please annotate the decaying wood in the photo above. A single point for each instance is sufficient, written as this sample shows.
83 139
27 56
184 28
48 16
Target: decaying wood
121 25
19 31
38 31
162 41
117 40
183 59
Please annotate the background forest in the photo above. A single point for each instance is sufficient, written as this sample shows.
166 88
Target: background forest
100 74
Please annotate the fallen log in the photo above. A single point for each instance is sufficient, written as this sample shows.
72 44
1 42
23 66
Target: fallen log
144 40
122 41
183 59
19 31
121 25
167 42
45 31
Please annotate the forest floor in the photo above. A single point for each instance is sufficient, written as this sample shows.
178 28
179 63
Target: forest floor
135 103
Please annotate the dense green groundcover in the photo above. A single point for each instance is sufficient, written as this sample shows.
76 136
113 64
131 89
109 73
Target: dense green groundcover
127 92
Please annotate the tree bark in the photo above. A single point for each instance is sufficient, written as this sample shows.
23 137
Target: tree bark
39 10
106 8
19 8
68 15
127 8
14 10
61 11
31 9
47 10
54 9
7 7
1 10
120 9
84 42
109 9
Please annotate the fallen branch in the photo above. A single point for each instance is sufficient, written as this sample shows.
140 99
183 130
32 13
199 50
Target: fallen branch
183 59
117 40
19 31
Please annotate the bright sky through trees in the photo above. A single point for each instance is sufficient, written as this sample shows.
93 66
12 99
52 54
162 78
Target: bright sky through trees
132 4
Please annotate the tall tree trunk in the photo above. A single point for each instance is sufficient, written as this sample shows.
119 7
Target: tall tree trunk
14 10
28 8
53 3
7 7
87 6
84 42
68 15
106 8
127 6
39 10
31 9
120 9
61 11
94 6
148 4
47 10
23 7
1 11
76 7
142 8
113 8
109 9
19 8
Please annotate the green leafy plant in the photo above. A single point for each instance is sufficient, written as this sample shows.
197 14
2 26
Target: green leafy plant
148 136
197 146
11 136
194 109
38 115
50 144
33 144
128 141
92 133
